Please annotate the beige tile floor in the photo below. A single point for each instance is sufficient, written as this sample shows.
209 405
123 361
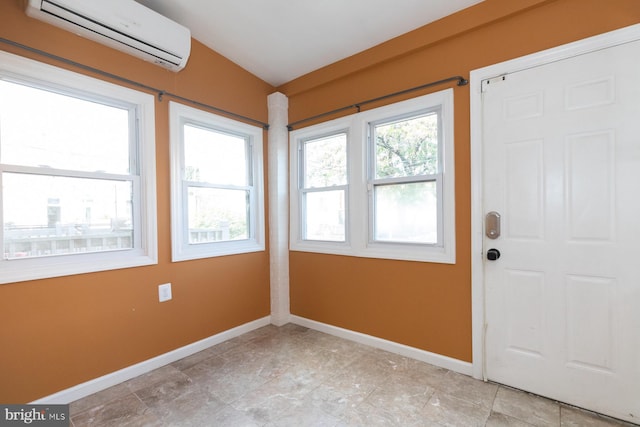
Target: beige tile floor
293 376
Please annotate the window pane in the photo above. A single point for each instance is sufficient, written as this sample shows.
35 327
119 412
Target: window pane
407 147
325 215
325 161
215 157
406 213
217 215
48 215
41 128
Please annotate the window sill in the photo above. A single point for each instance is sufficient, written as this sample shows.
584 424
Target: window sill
212 250
21 270
401 252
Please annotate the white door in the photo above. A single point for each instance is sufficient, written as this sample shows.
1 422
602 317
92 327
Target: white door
561 161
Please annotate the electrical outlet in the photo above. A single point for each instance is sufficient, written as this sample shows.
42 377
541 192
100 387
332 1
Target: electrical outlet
164 292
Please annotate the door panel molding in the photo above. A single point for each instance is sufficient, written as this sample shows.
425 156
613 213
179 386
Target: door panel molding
603 41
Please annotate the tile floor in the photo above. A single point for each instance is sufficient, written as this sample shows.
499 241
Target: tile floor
294 376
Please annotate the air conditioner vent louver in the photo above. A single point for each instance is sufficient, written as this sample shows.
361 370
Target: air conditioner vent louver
121 24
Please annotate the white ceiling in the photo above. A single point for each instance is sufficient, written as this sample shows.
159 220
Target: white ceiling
280 40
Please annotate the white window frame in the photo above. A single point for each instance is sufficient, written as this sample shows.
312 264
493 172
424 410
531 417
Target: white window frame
144 252
181 250
359 240
297 190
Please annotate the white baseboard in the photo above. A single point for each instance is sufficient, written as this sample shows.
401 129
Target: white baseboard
98 384
393 347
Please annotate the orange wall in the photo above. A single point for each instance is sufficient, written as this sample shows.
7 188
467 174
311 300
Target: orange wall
60 332
426 305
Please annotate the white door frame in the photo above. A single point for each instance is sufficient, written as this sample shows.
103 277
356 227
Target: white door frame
591 44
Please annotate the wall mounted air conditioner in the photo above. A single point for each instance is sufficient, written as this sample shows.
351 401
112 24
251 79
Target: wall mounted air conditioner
121 24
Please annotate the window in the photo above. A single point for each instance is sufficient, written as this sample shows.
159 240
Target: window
324 179
77 164
404 176
217 185
378 183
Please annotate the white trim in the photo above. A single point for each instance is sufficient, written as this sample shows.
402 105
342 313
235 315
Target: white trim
393 347
603 41
98 384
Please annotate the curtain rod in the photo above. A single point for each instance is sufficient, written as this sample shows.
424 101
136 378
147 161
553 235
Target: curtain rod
461 82
160 93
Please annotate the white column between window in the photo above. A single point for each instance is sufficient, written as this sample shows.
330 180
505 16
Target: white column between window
278 169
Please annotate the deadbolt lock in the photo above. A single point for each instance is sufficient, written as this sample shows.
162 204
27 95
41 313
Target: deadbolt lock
492 225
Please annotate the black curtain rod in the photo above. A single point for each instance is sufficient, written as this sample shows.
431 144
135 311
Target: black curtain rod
461 82
160 93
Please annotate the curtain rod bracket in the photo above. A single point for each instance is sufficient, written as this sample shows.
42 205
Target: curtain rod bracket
160 95
462 81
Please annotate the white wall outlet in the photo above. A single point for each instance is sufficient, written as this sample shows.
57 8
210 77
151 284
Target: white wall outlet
164 292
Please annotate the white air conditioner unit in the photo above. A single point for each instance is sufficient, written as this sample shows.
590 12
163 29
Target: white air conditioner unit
121 24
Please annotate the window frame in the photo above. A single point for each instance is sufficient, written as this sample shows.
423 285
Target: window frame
14 68
181 249
359 234
297 190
